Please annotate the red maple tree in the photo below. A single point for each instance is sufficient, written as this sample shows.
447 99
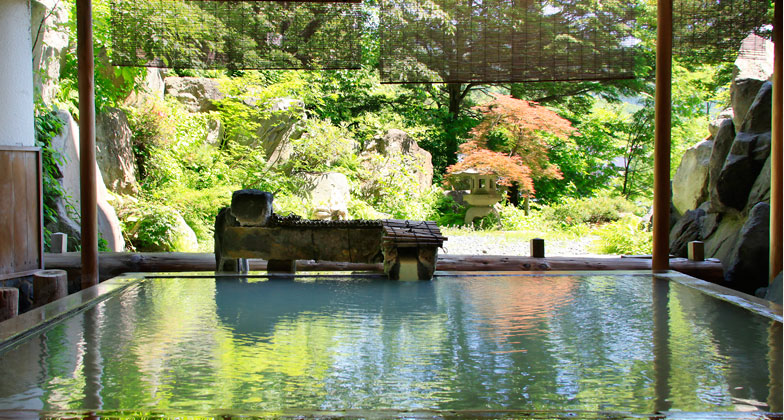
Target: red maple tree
520 150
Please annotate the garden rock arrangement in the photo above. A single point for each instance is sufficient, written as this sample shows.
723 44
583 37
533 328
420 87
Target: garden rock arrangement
721 191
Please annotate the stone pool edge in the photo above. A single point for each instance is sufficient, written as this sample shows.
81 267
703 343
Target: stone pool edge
17 328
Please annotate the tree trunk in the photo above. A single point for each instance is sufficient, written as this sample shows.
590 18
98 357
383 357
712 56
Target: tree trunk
527 204
454 90
513 194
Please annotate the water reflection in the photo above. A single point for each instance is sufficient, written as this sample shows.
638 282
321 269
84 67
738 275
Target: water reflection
594 343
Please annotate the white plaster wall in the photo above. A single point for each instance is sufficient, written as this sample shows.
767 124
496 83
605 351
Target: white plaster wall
16 74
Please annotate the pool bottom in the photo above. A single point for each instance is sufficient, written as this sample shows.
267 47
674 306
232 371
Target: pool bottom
458 344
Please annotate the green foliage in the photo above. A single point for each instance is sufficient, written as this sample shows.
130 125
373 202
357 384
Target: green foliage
112 84
150 226
47 126
321 148
626 236
601 209
449 212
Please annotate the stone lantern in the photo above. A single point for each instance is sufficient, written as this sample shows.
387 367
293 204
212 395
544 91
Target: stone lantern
483 194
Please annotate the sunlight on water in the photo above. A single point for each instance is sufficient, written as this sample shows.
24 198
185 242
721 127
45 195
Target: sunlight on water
461 343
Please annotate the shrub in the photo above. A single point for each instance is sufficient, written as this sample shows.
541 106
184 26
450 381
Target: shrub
153 227
602 209
626 236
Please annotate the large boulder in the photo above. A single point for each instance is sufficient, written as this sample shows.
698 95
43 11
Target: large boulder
715 124
753 67
280 124
198 94
748 267
722 143
50 42
398 142
328 195
688 228
67 143
745 161
758 117
114 151
690 184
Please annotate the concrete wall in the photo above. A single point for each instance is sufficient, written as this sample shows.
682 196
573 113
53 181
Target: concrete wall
16 74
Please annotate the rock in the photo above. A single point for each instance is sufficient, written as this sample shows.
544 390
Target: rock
67 143
50 40
183 238
743 93
690 184
687 229
758 117
398 142
760 191
753 67
722 143
280 124
328 194
713 126
162 229
65 223
114 151
725 231
196 93
743 164
755 59
748 266
773 292
251 207
152 86
214 132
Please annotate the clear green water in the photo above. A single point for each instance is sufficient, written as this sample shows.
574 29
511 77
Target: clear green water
457 343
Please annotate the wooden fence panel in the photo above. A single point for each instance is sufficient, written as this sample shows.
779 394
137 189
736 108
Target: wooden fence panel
21 240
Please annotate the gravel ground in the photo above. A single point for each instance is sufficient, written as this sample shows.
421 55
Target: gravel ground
501 244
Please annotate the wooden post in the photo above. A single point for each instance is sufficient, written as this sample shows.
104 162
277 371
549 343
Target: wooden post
661 159
59 243
696 251
9 302
537 248
48 286
89 190
776 151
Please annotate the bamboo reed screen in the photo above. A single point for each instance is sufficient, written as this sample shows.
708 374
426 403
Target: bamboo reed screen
486 41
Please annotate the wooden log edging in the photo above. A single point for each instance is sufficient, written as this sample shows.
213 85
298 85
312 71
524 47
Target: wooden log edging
113 264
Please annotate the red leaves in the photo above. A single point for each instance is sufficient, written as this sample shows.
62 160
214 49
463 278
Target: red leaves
524 155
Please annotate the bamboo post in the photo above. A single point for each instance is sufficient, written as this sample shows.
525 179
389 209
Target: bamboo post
661 159
89 191
48 286
9 302
776 151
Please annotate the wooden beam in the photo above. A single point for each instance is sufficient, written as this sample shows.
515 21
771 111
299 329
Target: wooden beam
89 190
663 118
776 150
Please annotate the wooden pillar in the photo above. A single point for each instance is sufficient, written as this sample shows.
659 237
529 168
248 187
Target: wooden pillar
661 159
89 190
776 254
